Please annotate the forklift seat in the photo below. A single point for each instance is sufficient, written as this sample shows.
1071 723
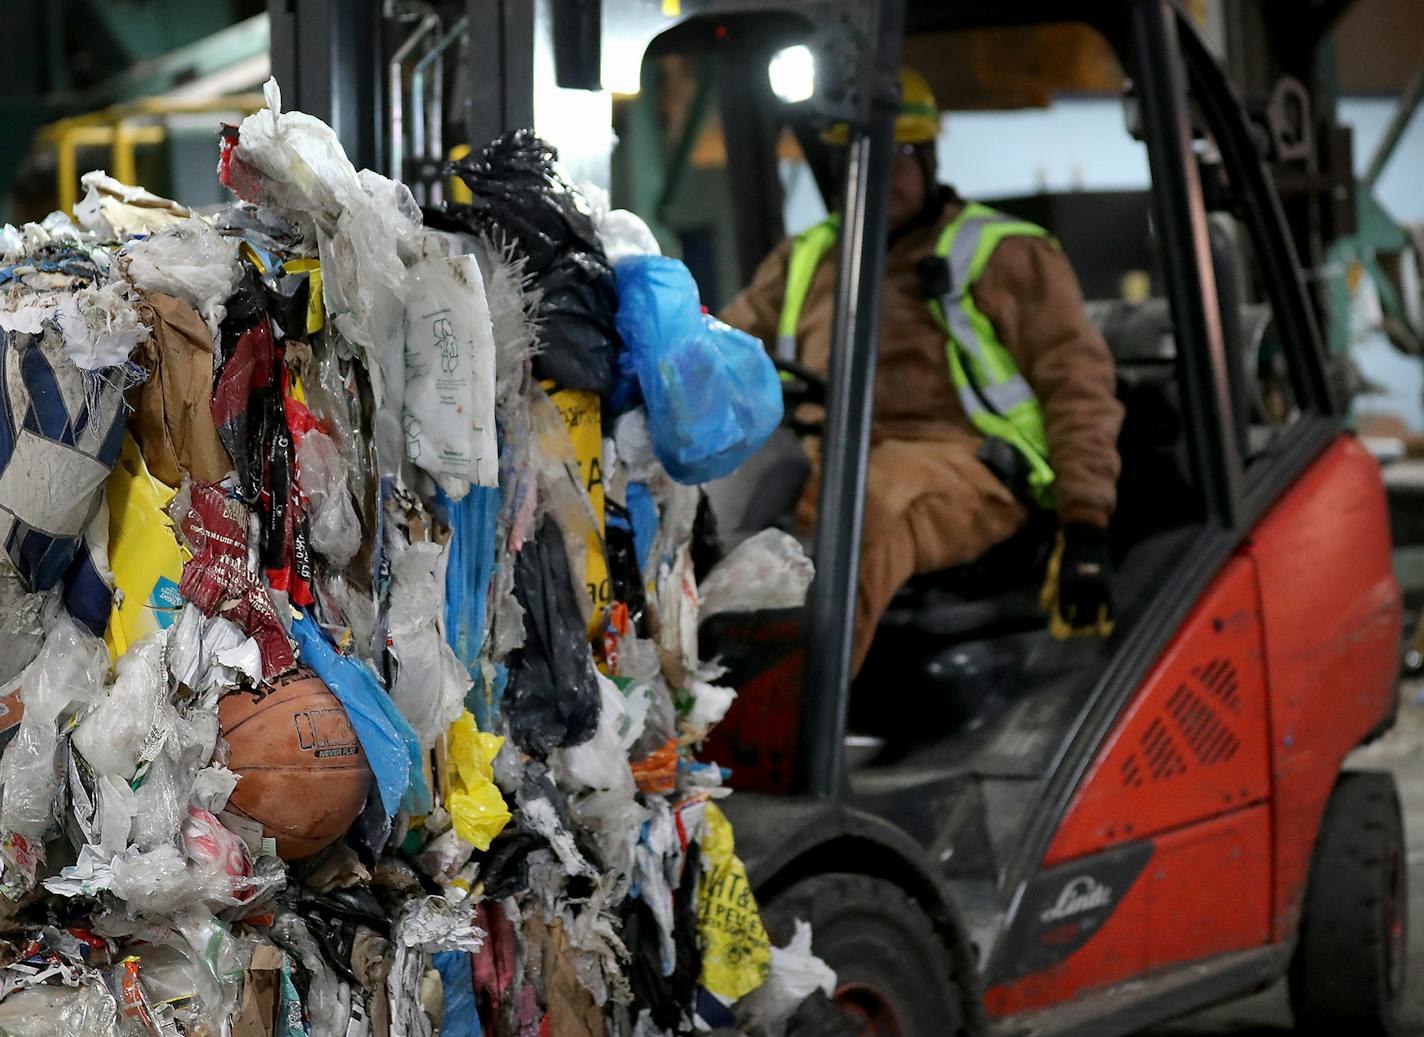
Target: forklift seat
763 491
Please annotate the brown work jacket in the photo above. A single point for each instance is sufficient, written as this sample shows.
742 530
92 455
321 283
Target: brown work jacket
1029 292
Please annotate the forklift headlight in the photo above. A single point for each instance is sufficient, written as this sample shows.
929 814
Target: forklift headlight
792 72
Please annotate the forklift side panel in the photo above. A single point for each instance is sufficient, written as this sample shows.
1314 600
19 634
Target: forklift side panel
1191 894
1193 744
1331 606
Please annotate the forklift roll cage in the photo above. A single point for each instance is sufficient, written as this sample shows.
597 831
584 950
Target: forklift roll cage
1170 66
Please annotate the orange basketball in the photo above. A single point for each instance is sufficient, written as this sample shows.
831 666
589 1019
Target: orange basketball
302 774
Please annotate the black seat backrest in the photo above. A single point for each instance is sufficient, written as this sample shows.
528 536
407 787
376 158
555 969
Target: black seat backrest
763 491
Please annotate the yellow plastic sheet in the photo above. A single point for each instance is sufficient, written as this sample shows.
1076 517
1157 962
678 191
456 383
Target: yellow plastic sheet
144 554
582 413
736 951
477 810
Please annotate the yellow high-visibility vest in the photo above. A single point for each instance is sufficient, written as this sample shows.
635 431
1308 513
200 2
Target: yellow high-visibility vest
995 396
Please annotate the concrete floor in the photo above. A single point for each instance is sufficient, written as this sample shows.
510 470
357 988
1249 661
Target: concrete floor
1267 1014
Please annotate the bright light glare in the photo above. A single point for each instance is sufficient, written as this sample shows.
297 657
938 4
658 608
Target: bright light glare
793 73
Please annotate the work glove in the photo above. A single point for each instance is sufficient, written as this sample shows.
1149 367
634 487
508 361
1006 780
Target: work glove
1076 592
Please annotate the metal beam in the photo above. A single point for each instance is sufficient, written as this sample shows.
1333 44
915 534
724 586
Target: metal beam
326 55
845 447
1182 229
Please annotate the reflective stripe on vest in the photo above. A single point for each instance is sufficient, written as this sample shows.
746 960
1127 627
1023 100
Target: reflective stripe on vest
996 398
809 248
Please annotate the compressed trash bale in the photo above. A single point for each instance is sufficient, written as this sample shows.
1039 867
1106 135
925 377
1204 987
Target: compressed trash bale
302 773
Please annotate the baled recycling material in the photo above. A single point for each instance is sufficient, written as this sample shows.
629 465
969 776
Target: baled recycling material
348 630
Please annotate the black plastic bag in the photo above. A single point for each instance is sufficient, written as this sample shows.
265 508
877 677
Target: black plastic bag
333 919
624 576
552 700
520 197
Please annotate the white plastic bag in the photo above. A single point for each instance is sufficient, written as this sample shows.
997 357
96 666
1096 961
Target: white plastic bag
796 974
620 232
710 703
363 222
602 761
767 571
430 681
449 375
334 529
190 261
69 670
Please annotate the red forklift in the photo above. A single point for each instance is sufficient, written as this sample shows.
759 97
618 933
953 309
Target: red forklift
992 831
1091 836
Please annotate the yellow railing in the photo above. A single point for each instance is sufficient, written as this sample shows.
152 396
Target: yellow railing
123 128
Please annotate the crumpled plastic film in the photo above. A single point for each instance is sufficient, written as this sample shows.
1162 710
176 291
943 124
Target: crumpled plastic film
116 211
335 529
133 714
101 324
477 809
69 671
188 260
430 682
295 163
769 570
553 696
796 973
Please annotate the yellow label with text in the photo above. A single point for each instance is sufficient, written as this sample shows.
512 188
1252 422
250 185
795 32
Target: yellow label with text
736 951
582 412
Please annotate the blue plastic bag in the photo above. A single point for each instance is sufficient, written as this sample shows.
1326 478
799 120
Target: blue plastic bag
461 1018
469 569
389 742
712 394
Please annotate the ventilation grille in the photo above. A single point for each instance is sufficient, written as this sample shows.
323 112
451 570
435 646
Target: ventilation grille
1219 678
1190 728
1209 739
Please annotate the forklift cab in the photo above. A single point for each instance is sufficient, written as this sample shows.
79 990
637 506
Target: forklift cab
992 831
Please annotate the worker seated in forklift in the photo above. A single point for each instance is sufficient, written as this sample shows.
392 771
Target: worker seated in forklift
995 410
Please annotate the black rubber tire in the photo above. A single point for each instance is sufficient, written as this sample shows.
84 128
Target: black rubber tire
1349 964
879 941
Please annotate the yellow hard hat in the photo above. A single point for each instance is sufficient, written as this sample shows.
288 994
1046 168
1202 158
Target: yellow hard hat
917 121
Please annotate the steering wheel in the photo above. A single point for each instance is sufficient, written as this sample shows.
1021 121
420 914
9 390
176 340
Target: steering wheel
800 385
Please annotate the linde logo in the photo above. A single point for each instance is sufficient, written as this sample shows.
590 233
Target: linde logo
1081 894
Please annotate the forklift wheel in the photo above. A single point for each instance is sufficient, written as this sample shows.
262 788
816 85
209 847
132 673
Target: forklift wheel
894 977
1349 961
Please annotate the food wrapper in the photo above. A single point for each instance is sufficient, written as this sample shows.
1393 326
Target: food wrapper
217 577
